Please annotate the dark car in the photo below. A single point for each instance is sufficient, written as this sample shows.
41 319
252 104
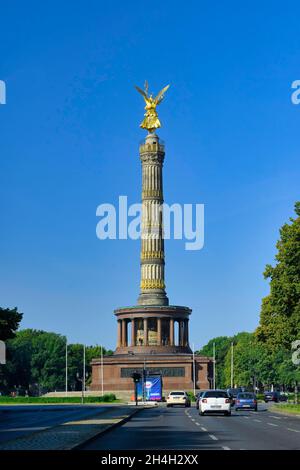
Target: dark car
198 398
274 396
246 401
233 393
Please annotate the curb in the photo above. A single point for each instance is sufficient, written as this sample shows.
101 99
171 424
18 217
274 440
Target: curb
106 430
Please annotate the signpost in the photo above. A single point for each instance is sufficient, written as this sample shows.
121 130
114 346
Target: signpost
136 378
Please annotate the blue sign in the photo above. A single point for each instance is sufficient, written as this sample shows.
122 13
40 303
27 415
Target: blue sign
152 388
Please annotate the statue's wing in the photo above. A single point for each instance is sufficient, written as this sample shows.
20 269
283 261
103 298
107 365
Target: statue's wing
141 91
161 94
146 87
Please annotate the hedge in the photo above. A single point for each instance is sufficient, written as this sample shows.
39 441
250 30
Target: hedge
108 398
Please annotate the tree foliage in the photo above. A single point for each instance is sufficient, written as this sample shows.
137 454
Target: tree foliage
36 362
280 312
253 362
9 322
222 343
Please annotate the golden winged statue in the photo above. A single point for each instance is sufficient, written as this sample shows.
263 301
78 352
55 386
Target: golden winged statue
151 121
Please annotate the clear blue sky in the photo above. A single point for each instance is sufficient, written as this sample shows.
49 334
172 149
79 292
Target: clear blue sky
69 141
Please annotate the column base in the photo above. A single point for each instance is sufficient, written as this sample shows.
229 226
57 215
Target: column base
153 298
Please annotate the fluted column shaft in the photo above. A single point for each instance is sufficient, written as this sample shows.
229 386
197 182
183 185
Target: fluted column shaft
152 244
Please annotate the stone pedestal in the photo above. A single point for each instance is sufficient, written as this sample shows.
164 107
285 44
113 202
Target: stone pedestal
176 370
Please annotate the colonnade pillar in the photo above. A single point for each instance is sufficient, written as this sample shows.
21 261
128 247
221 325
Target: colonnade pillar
171 332
145 331
133 336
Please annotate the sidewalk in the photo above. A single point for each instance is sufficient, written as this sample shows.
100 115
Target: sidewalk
71 434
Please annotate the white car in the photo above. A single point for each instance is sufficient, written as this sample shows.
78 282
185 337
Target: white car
178 398
215 401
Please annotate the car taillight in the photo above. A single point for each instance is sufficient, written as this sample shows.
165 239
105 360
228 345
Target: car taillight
204 400
227 400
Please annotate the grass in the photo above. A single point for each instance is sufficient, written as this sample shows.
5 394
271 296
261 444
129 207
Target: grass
288 408
108 398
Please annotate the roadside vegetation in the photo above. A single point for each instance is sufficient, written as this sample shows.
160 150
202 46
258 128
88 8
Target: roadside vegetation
287 408
107 398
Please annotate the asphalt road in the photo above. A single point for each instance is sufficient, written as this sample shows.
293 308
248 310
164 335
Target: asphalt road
164 428
16 421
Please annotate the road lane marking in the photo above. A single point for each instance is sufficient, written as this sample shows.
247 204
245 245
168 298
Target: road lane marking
272 424
246 417
225 448
198 424
193 419
214 438
34 428
204 429
294 430
257 420
275 417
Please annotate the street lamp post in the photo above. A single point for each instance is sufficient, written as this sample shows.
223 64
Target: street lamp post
83 372
102 390
66 367
231 365
82 380
194 371
214 364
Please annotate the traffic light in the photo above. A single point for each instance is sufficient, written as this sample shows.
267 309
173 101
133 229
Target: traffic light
136 377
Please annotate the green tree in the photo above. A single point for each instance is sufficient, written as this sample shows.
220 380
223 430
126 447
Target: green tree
222 344
247 354
280 312
75 363
48 361
9 322
35 361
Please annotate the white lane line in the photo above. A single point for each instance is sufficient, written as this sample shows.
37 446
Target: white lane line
198 424
34 428
275 417
246 417
225 448
257 420
214 438
294 430
193 419
204 429
272 424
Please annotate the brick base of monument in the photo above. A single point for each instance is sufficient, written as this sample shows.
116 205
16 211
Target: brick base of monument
176 369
